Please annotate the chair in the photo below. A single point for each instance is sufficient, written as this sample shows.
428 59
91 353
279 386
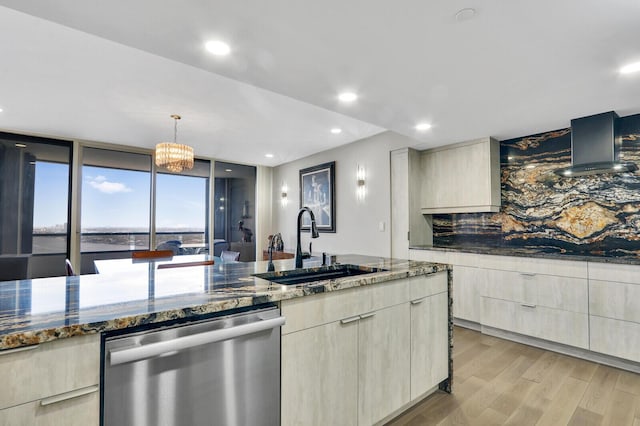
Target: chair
219 246
229 256
153 254
173 245
68 267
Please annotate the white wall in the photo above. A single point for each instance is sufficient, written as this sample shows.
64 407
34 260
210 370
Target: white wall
357 225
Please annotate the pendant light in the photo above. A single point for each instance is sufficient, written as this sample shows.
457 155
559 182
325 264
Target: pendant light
174 156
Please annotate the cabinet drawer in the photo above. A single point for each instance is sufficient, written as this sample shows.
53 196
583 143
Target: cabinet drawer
614 272
569 328
614 300
565 293
427 285
615 337
323 308
561 268
80 411
49 369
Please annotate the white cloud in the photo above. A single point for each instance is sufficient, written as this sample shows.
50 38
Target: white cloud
103 185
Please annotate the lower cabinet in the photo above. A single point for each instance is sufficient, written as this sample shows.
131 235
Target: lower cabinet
614 308
429 356
320 375
383 363
55 383
468 284
79 410
358 363
569 328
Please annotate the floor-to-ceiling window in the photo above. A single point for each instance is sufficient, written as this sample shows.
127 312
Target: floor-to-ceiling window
182 208
235 209
34 206
117 193
115 205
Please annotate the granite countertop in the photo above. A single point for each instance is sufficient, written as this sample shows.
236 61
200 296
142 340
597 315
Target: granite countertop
45 309
534 252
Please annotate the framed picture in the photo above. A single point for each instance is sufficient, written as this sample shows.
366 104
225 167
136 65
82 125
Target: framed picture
317 191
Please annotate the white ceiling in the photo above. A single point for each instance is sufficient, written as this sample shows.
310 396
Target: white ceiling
122 67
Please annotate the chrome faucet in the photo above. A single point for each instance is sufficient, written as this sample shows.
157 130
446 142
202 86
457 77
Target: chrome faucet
314 233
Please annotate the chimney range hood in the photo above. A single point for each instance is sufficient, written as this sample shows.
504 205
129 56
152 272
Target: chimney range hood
593 147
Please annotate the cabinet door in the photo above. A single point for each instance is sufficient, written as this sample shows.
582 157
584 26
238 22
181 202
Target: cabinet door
384 363
400 204
467 289
319 375
429 343
80 411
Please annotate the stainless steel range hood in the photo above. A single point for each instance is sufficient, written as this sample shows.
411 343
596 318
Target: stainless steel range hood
594 149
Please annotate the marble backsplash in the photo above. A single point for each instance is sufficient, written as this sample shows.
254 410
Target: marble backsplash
593 215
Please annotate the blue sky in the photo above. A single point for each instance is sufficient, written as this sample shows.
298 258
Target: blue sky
119 198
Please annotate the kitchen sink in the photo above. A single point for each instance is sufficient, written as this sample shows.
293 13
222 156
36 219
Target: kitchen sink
305 275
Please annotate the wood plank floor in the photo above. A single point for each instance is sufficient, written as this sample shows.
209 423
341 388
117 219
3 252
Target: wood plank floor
498 382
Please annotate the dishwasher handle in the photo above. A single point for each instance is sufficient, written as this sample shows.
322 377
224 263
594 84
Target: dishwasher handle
121 356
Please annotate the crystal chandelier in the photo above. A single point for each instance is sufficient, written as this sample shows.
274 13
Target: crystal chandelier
174 156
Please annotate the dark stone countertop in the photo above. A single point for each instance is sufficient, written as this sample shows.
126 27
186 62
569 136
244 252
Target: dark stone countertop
137 293
534 253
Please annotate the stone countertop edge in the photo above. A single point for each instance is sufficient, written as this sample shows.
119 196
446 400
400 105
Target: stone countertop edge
533 253
12 339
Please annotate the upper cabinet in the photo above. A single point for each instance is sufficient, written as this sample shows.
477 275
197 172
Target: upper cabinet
462 178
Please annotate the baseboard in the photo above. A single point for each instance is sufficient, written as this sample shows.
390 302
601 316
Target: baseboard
467 324
588 355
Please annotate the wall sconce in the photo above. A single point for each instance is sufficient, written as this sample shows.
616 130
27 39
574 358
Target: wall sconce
283 195
360 177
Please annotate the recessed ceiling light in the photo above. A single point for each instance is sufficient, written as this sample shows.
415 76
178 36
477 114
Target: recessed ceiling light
630 68
20 145
465 14
1 110
269 155
423 126
347 97
336 130
217 47
228 170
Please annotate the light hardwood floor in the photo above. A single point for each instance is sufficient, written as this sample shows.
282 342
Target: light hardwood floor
498 382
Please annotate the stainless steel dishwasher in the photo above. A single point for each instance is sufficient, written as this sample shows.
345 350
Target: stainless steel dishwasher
219 371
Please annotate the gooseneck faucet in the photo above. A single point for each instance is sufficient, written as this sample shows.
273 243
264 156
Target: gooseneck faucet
314 233
270 267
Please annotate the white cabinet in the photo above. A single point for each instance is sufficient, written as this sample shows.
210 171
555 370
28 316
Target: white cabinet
429 357
383 375
320 375
548 307
467 286
462 178
408 225
52 383
614 310
357 356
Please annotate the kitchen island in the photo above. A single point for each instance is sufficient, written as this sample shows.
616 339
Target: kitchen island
57 322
